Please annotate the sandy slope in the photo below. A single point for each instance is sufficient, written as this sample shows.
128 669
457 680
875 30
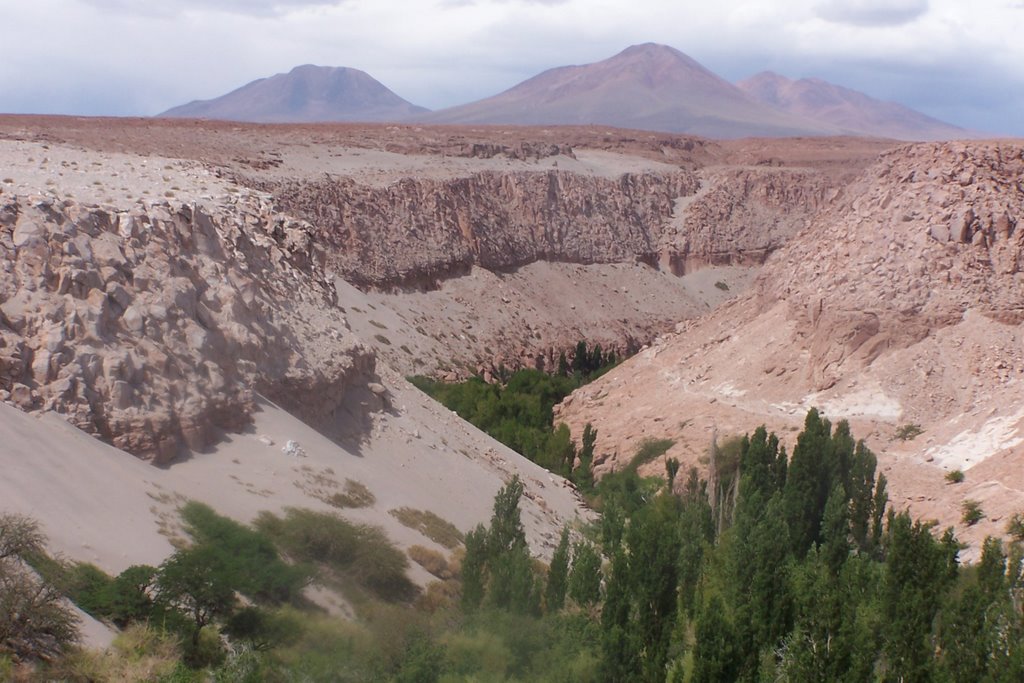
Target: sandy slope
98 504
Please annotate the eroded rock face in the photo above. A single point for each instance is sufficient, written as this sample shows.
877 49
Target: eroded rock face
925 235
418 229
740 216
154 327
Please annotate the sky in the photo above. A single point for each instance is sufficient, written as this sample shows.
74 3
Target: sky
961 61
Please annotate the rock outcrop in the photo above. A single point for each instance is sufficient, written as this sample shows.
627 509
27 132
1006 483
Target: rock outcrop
925 235
740 216
154 327
418 229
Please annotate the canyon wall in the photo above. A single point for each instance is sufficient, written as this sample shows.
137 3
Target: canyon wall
154 327
421 230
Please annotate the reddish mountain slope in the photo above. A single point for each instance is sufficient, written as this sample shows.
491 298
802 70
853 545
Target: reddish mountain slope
652 87
852 111
304 94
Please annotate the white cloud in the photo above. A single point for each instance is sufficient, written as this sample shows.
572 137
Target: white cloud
873 12
173 7
125 57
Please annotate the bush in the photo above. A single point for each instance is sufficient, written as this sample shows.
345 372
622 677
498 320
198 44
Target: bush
1015 527
355 495
972 513
431 560
648 451
955 477
250 561
437 529
722 286
359 552
139 653
35 622
909 432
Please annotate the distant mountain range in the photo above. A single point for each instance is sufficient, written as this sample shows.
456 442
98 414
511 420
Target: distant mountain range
648 87
846 109
303 95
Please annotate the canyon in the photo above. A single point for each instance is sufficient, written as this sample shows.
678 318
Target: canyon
199 295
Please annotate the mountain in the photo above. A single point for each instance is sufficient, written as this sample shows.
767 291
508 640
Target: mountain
847 109
652 87
305 94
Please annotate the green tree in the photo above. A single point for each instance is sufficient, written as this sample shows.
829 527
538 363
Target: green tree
583 476
620 660
197 583
916 576
585 577
860 493
558 575
808 483
696 532
654 547
714 654
474 567
128 595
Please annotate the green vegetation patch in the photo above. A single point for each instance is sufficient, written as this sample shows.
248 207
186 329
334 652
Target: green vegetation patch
356 552
972 512
355 495
436 528
909 432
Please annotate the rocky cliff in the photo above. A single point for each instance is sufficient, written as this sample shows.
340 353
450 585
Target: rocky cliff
925 235
739 216
421 230
153 327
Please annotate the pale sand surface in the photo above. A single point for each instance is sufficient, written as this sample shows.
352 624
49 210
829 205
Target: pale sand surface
97 504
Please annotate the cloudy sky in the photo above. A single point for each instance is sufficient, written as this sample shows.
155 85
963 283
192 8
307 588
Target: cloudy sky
959 60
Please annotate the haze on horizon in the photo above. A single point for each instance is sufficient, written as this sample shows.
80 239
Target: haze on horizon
959 62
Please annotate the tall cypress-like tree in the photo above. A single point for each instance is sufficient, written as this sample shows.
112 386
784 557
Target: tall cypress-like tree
474 568
585 577
558 575
654 546
583 475
915 578
714 655
808 483
620 652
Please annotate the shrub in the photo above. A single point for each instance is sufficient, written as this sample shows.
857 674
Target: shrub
908 432
431 560
972 513
1015 527
139 653
649 450
356 551
955 477
35 622
437 529
722 286
355 495
251 563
